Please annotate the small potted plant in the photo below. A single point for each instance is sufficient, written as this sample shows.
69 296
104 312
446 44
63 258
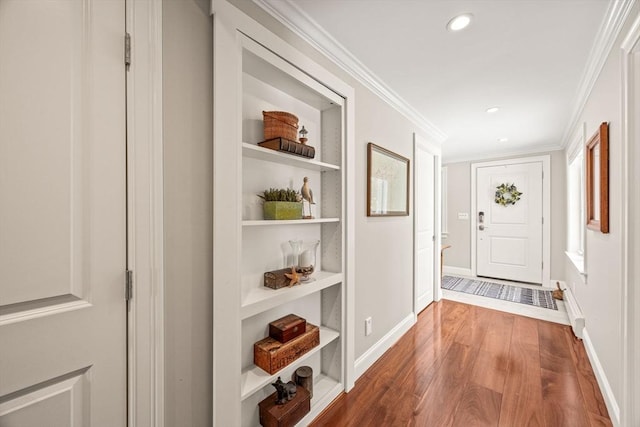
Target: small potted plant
283 203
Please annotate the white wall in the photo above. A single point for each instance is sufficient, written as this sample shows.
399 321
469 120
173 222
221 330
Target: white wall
187 127
459 200
600 298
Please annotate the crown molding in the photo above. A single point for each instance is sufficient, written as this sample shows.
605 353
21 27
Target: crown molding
496 155
617 13
301 24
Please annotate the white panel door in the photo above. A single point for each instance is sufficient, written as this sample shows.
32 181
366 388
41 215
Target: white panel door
509 238
424 190
62 213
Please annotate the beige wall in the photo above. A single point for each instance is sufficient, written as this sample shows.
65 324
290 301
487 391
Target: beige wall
459 200
187 126
600 298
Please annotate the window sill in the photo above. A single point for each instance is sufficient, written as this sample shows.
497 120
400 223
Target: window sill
577 261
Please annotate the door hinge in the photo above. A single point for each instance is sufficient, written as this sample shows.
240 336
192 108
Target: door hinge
128 286
127 49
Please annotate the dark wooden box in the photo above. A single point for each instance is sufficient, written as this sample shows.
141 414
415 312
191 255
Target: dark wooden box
287 328
288 146
272 355
276 279
287 414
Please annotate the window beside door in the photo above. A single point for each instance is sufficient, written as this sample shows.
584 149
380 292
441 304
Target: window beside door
576 203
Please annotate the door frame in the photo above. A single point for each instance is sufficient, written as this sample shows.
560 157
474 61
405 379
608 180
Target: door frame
145 257
546 209
630 296
419 141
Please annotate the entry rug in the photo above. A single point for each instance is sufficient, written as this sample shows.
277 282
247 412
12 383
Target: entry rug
528 296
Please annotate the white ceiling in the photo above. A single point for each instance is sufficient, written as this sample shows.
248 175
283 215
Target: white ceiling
526 57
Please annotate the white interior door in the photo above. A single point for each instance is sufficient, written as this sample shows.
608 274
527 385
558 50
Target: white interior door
424 240
509 238
62 213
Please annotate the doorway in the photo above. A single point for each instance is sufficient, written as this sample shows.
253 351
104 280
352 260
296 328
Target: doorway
426 264
510 202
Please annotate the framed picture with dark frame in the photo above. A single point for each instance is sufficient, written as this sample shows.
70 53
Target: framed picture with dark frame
597 159
387 182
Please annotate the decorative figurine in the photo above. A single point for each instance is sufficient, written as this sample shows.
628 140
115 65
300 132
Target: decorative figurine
285 391
303 135
307 195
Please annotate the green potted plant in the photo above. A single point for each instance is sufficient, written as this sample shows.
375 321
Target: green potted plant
283 203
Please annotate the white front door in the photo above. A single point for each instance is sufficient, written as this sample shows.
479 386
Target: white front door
424 190
62 213
509 237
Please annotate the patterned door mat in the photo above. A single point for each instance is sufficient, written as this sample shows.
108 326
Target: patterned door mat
535 297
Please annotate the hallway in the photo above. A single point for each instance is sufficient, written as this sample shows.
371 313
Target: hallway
463 365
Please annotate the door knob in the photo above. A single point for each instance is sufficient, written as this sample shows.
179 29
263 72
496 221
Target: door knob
481 227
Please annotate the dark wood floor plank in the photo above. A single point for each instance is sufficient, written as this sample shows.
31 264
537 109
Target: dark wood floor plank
562 400
465 366
479 406
593 400
525 330
444 393
522 395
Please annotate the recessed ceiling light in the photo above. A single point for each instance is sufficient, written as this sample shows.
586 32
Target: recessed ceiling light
503 139
459 22
492 110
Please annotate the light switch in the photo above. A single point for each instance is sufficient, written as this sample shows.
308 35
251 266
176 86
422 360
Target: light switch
463 215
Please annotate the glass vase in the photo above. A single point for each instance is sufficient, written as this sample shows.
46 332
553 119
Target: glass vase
307 259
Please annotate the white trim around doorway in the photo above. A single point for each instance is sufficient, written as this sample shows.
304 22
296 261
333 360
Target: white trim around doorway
546 209
145 247
630 250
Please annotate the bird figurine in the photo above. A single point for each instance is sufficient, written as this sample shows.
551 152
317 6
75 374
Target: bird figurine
307 195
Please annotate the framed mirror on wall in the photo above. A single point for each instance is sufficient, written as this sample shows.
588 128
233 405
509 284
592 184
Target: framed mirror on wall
387 182
597 162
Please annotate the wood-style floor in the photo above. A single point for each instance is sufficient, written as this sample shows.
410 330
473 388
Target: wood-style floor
463 365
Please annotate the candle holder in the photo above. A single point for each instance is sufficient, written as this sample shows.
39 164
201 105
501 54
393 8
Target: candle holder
307 259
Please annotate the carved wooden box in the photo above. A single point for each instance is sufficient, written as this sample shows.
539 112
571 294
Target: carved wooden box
272 355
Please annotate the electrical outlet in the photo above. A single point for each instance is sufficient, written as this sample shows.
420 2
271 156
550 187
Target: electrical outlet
367 326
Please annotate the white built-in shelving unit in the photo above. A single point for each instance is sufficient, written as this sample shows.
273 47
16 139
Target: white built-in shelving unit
255 78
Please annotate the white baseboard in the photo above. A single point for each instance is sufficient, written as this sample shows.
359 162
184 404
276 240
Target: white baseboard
605 387
457 271
576 318
369 357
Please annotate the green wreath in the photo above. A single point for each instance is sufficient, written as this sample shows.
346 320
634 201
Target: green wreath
503 190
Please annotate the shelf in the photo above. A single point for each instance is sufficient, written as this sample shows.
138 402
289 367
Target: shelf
263 298
325 390
255 378
267 222
260 153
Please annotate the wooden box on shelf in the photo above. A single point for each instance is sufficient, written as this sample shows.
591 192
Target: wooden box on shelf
287 414
276 279
287 328
272 355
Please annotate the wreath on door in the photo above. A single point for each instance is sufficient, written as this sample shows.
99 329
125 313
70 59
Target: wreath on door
507 194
